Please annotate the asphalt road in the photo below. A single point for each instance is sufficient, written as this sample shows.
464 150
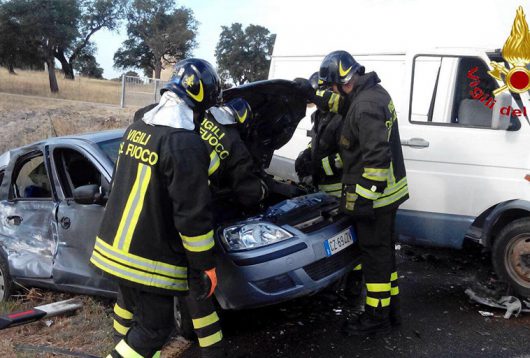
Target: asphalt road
439 319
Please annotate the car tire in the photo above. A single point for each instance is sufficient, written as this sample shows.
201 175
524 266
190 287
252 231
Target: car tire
183 323
511 255
6 283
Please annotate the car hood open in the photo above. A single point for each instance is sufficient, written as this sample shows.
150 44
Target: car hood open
278 107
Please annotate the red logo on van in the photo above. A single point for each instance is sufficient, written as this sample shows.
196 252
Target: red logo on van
516 52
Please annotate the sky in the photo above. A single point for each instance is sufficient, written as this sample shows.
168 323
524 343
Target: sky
316 27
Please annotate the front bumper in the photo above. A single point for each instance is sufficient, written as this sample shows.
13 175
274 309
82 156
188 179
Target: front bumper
293 268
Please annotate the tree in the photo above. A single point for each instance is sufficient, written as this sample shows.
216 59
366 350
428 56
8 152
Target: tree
42 27
87 65
94 16
159 33
244 55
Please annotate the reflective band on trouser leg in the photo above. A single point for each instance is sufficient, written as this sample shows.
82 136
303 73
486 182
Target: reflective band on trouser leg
126 351
122 312
211 339
394 290
122 321
378 294
205 321
359 267
133 208
208 329
327 166
120 329
198 243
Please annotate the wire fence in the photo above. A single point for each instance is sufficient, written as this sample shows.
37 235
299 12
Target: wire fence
140 91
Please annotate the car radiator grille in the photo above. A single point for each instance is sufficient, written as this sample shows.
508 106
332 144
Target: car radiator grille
329 265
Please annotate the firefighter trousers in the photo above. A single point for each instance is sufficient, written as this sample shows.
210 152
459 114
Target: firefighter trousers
143 322
377 244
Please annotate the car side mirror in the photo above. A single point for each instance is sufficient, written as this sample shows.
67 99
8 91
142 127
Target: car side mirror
89 194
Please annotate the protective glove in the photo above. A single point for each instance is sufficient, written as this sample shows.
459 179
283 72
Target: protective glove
303 164
202 283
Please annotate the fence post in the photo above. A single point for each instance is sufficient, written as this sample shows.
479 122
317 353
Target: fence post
122 102
156 88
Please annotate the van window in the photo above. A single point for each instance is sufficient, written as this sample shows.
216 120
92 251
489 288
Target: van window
31 179
442 93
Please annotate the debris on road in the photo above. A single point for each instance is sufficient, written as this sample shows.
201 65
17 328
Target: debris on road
39 312
486 314
511 304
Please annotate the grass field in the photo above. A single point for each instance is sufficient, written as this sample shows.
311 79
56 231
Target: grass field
24 119
36 83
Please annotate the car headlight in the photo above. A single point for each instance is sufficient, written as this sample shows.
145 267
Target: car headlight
251 236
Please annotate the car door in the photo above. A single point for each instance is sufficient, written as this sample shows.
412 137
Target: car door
27 215
77 224
460 154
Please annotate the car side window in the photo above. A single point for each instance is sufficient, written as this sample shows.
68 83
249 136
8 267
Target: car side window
31 179
75 170
454 91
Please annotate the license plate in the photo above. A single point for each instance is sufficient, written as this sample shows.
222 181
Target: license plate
339 242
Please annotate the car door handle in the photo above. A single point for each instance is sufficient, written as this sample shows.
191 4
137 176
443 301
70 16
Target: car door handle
415 143
14 220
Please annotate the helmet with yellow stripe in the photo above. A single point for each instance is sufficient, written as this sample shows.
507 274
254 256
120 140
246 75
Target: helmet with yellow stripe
196 82
241 110
338 68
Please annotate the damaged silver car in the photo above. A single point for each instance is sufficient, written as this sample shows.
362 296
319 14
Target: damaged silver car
52 197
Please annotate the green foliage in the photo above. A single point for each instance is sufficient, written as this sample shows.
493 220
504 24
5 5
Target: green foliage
87 65
159 33
244 55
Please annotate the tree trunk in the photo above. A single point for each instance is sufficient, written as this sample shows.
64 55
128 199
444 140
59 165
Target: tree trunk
66 66
11 69
158 69
50 61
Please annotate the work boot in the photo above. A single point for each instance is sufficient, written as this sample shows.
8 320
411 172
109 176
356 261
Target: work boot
213 352
395 311
367 325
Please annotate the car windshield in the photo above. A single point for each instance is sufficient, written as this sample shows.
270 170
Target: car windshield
110 148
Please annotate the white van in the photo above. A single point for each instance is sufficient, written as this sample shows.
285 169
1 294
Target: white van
468 165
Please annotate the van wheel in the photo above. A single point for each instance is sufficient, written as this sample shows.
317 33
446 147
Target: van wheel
6 283
183 324
511 255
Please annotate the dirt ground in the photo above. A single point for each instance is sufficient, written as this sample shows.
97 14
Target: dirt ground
86 333
25 119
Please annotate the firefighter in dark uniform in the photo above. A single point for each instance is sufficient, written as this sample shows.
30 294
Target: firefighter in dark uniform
374 179
321 162
156 237
234 171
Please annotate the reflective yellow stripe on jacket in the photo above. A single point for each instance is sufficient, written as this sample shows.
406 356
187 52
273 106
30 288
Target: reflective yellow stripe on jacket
392 193
138 269
133 208
198 243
